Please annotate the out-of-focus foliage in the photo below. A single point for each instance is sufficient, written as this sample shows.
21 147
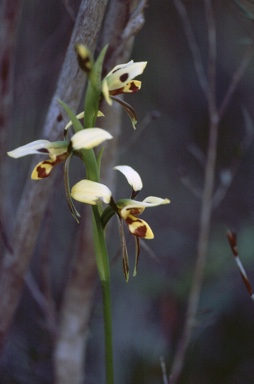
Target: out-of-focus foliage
148 312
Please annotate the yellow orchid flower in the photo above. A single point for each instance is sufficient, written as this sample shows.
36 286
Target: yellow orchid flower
56 151
91 192
120 79
59 151
127 210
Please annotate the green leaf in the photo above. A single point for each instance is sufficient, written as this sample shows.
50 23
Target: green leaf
106 215
75 122
93 93
99 157
73 210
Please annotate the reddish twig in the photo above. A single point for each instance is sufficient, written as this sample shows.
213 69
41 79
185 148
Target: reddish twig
232 239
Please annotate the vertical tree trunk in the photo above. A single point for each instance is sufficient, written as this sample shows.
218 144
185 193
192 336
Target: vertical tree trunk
70 347
9 19
122 20
35 196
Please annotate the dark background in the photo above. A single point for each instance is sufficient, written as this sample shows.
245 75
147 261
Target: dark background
148 312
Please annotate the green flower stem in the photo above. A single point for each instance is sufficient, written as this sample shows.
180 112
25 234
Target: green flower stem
104 273
106 291
92 98
102 262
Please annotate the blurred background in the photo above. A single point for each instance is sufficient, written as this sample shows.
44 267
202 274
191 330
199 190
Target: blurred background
169 153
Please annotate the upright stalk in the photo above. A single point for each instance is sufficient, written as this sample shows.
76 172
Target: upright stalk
104 273
107 316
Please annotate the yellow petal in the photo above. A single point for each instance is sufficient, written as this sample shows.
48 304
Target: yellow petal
139 227
85 58
130 87
43 169
90 192
89 138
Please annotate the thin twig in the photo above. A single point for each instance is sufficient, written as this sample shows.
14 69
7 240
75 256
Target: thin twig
164 371
196 56
206 206
236 79
232 239
215 116
227 175
43 303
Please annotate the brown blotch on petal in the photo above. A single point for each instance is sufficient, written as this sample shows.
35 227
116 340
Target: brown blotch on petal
43 150
118 69
124 77
141 231
41 171
133 88
84 64
117 91
129 220
136 211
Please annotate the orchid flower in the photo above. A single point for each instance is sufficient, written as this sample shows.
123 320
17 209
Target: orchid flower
120 80
59 151
127 210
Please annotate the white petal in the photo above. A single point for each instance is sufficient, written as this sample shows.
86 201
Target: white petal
90 192
105 91
131 70
89 138
139 206
131 175
119 66
30 149
153 201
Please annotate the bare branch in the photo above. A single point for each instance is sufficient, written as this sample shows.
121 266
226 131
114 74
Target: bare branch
206 205
232 239
192 45
236 79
